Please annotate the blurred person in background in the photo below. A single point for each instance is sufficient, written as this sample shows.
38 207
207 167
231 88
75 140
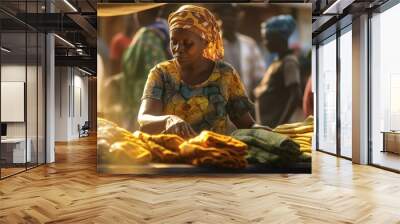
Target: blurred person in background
149 47
308 99
121 41
279 94
241 51
305 69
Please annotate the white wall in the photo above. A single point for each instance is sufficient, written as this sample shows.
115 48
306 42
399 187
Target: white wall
13 73
61 103
80 84
71 94
16 73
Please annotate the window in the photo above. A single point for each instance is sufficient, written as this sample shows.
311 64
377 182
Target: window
22 75
327 96
346 93
385 88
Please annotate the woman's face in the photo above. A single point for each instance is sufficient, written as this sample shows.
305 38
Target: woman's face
187 47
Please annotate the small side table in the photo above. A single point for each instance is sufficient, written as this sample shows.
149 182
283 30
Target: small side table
391 141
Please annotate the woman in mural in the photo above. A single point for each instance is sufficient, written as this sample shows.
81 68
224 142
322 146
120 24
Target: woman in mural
195 90
278 96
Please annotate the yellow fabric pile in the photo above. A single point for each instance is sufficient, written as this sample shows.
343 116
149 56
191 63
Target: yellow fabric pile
300 132
119 146
163 147
212 149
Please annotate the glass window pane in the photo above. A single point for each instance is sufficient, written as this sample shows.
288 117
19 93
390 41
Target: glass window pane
41 99
327 96
31 97
385 84
346 94
13 86
23 57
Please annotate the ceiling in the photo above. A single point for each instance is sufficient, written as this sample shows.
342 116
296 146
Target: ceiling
73 20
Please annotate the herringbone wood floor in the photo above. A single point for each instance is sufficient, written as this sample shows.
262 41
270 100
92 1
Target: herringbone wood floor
70 191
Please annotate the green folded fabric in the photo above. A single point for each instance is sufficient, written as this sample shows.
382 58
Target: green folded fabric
304 158
268 147
258 155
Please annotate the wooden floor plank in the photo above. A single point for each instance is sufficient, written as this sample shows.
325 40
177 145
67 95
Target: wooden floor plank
70 191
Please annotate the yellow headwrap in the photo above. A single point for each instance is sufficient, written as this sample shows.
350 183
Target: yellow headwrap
200 21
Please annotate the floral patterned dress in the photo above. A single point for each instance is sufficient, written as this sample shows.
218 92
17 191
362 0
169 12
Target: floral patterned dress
205 106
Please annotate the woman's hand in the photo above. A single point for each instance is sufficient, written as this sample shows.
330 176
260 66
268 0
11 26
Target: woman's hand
175 125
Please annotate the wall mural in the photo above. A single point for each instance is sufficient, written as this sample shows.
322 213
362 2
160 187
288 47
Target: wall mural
204 88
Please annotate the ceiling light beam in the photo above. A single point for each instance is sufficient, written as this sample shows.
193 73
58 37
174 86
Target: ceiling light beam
65 41
337 7
5 50
84 71
70 5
